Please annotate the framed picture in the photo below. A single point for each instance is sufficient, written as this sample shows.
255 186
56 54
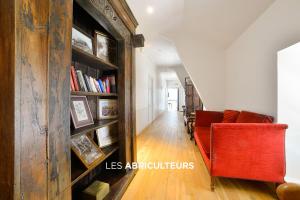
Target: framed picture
107 108
105 47
107 135
80 111
82 41
86 150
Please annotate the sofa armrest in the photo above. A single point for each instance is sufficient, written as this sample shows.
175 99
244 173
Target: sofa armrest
248 150
206 118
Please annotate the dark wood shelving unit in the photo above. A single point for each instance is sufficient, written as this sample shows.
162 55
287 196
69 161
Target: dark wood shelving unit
91 60
86 18
96 125
82 93
41 161
109 150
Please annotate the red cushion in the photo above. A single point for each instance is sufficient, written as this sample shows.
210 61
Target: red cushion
203 134
250 117
230 116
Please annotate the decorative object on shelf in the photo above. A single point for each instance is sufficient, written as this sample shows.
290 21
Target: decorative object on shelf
107 135
80 111
86 150
82 41
107 109
105 47
96 191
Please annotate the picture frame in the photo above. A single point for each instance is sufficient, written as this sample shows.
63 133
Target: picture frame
105 48
82 41
86 150
107 109
107 135
80 112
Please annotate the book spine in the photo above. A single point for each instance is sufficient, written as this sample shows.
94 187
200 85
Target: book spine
104 86
87 82
101 85
113 87
96 86
81 81
107 85
72 82
74 76
93 84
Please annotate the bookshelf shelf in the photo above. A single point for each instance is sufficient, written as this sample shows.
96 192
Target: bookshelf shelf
89 59
109 150
81 93
96 125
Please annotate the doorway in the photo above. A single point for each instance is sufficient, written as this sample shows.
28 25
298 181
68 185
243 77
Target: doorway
173 99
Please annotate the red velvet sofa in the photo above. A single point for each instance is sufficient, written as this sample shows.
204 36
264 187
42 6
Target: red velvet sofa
242 145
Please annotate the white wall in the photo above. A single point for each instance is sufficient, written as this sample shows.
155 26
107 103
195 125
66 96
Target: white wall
251 59
204 63
289 108
146 70
251 63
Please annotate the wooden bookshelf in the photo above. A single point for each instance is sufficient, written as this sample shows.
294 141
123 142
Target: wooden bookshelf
77 175
40 53
97 124
87 20
91 60
81 93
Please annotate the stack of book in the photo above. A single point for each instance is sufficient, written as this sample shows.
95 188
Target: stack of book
83 82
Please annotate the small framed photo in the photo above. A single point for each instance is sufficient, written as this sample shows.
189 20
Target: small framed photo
107 135
107 109
82 41
86 150
105 47
80 111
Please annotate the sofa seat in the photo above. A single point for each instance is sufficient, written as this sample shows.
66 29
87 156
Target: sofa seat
243 145
204 138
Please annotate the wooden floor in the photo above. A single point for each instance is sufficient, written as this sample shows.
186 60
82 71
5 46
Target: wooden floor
166 140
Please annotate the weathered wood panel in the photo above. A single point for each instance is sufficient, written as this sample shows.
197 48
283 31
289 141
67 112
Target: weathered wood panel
7 72
32 59
59 153
133 108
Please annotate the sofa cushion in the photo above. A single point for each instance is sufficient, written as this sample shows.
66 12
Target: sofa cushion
203 135
250 117
230 116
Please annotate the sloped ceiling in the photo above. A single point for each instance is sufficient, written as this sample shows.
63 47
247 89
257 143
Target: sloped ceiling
217 21
194 34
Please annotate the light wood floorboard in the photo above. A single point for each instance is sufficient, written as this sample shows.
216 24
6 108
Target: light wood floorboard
166 140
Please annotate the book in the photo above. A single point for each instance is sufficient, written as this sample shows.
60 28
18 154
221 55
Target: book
87 82
81 81
93 84
72 82
104 86
107 85
98 86
96 191
101 85
107 135
113 86
74 76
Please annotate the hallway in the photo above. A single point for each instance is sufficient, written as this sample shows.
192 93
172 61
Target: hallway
166 140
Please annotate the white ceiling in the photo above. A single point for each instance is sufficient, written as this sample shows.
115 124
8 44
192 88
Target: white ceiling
217 21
